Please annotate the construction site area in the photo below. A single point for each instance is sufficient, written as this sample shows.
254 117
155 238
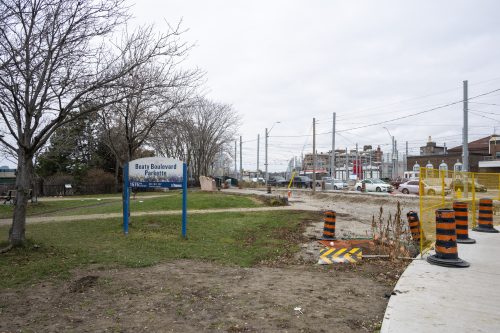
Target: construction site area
353 264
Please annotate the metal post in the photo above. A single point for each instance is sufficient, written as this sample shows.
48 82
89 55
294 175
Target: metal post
371 171
314 156
126 198
406 158
241 158
393 159
258 142
332 162
346 164
465 143
267 175
356 164
396 173
465 139
184 200
235 158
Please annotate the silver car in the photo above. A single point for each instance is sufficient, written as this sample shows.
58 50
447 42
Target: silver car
334 184
412 186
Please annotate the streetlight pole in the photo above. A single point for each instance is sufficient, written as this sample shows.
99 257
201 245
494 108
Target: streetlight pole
267 136
392 154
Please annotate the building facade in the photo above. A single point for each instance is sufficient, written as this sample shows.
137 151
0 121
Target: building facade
369 159
479 150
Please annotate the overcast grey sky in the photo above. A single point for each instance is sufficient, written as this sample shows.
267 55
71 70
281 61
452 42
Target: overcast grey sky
368 61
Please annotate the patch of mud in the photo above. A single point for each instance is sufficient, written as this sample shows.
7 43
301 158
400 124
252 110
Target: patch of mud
83 284
193 296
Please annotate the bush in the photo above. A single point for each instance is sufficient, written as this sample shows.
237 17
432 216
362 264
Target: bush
97 181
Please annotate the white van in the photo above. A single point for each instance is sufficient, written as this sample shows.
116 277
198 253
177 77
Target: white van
411 175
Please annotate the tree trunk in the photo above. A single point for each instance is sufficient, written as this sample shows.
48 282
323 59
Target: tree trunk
23 185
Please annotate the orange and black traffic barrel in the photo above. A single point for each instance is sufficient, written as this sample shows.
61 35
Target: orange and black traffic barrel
414 224
329 224
462 222
446 241
485 216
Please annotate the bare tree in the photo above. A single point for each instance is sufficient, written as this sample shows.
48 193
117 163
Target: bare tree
54 60
153 90
198 134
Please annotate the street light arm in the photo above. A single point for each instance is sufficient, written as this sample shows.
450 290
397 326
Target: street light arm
277 122
267 136
390 135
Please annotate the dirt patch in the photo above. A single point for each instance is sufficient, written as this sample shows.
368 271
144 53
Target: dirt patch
193 296
288 294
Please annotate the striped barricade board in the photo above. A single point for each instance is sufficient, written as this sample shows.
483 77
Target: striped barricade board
330 255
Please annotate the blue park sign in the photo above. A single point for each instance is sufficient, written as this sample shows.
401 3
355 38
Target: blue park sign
154 172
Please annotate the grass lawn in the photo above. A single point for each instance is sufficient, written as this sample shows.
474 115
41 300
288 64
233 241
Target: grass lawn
173 201
243 239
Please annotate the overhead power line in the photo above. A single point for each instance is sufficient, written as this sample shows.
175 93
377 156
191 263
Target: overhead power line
482 116
418 113
390 120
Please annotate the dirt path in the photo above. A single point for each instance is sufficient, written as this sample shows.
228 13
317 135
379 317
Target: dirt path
42 219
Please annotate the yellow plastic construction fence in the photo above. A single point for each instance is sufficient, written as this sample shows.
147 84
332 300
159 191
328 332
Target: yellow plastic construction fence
440 188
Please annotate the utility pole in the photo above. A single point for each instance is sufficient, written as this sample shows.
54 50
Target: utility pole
241 159
235 159
267 175
371 171
465 139
258 139
332 161
397 158
406 157
314 156
465 143
393 157
346 164
356 164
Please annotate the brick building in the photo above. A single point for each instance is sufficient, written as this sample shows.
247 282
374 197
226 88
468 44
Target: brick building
432 149
479 150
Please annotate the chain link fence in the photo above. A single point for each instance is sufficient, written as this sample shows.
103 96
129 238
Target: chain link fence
440 188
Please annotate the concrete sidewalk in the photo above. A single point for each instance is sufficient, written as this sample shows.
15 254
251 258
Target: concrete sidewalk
432 298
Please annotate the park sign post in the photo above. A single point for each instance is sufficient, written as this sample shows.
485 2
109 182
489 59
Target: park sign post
154 172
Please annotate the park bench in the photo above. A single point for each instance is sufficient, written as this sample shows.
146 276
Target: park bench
10 197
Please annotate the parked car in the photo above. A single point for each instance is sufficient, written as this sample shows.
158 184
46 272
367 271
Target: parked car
277 181
458 184
302 181
259 180
412 186
335 184
373 185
